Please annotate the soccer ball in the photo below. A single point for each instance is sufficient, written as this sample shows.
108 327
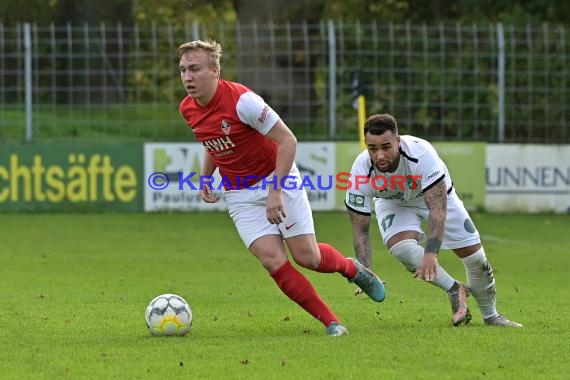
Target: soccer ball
168 314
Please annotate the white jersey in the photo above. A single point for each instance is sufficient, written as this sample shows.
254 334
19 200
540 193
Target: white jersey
400 206
420 168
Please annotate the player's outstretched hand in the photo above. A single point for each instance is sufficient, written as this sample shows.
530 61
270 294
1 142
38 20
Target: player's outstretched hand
427 270
207 195
274 207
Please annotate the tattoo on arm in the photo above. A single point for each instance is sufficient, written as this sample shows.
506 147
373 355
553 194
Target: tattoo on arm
361 238
436 202
433 245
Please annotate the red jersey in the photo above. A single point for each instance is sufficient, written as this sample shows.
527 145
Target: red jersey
232 128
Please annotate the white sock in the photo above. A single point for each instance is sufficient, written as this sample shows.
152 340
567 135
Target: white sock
481 281
409 253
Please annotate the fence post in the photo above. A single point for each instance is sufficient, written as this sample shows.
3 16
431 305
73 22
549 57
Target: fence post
501 78
332 79
195 30
563 86
28 78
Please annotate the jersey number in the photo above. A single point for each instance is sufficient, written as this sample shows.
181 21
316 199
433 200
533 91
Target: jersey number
387 221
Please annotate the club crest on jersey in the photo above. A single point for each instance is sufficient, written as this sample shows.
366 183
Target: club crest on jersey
226 127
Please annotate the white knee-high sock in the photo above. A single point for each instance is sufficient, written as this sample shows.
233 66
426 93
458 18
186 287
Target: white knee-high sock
481 281
409 253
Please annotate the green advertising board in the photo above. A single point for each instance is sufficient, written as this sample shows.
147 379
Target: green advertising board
346 153
66 177
465 161
466 164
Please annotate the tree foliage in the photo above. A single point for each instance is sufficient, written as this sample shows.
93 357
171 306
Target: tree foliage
433 11
204 11
66 11
168 12
273 68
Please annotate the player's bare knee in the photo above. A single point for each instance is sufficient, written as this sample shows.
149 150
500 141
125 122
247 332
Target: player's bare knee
308 259
271 263
271 258
305 251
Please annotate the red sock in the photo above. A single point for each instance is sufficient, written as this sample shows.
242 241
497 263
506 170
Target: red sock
299 289
334 261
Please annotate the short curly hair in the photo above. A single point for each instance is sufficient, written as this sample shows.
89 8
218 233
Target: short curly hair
380 123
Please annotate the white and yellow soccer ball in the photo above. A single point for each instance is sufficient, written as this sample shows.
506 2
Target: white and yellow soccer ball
168 314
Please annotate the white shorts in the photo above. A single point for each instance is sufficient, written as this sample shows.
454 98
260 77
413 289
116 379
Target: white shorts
247 209
459 228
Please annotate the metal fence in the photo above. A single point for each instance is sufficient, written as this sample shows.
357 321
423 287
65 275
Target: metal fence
490 82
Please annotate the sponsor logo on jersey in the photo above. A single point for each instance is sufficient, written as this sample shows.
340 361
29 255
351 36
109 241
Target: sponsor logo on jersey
219 144
432 175
263 115
355 200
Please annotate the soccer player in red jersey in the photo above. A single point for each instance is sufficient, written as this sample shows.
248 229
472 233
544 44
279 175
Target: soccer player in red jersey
254 151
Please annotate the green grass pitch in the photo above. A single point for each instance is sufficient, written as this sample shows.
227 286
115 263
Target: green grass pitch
74 289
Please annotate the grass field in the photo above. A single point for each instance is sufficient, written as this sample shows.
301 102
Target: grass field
121 122
74 289
126 122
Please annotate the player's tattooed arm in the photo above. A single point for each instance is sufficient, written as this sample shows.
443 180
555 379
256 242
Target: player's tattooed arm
436 201
361 237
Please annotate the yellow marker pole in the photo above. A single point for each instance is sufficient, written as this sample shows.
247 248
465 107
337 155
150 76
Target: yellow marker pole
361 120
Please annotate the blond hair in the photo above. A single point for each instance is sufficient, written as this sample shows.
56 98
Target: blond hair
211 47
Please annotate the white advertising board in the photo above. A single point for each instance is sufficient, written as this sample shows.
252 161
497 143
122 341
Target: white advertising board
528 178
172 181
